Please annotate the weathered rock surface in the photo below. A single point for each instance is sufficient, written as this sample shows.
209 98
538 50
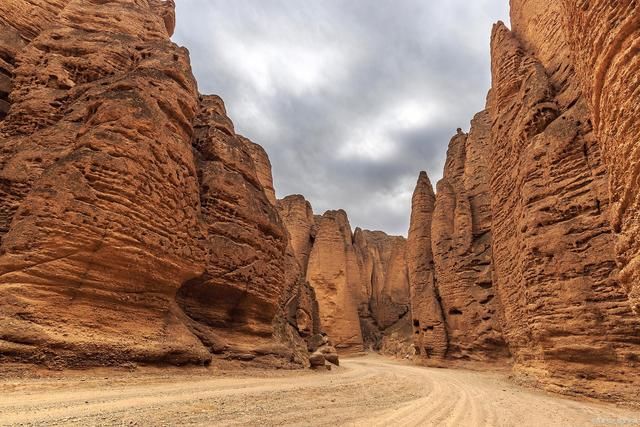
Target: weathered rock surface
384 274
135 225
297 215
334 274
566 314
604 41
461 239
263 168
233 304
99 200
429 329
383 297
363 272
536 208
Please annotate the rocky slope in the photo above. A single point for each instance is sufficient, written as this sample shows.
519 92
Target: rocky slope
135 225
531 238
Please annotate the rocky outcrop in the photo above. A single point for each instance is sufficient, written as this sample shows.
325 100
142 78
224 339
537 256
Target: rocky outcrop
534 214
360 278
135 225
233 304
263 168
98 202
385 275
334 274
604 39
383 291
429 329
566 314
297 215
462 252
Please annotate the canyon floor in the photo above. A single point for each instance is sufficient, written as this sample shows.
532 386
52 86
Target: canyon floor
365 391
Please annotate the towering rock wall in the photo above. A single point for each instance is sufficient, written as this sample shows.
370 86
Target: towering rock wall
604 38
233 303
523 233
565 312
297 215
462 251
135 225
360 278
429 329
384 282
334 274
383 291
98 202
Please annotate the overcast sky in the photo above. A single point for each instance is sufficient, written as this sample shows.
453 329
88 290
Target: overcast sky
350 98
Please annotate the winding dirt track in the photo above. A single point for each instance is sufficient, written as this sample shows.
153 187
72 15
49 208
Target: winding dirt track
368 391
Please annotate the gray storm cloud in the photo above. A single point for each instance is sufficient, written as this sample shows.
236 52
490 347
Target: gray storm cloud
350 98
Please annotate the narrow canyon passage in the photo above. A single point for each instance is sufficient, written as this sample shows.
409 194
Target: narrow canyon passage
364 391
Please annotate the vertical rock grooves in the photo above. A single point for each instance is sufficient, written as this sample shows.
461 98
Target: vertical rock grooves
605 42
532 238
360 278
462 251
126 235
430 332
383 292
333 272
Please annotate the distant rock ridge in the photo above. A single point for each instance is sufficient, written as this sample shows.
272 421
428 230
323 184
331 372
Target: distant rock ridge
360 277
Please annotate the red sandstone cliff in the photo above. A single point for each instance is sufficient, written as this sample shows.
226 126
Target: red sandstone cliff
135 225
360 278
532 230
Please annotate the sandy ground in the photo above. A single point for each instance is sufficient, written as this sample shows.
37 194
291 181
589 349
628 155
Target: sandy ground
366 391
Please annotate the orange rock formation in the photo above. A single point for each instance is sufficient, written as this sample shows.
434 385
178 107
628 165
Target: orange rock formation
135 225
533 230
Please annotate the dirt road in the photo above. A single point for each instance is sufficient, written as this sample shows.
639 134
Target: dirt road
366 391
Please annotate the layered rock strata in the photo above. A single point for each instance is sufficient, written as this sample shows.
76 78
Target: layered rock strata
135 225
565 312
99 208
532 232
383 297
233 303
604 42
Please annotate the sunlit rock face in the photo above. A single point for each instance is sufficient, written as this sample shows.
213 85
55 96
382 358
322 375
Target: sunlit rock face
99 205
532 246
135 225
427 319
333 272
603 39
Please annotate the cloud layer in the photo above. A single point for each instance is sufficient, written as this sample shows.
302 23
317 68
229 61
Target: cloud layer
350 98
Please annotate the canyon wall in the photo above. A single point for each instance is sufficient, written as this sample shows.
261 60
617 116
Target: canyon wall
429 329
360 278
604 42
135 225
528 250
